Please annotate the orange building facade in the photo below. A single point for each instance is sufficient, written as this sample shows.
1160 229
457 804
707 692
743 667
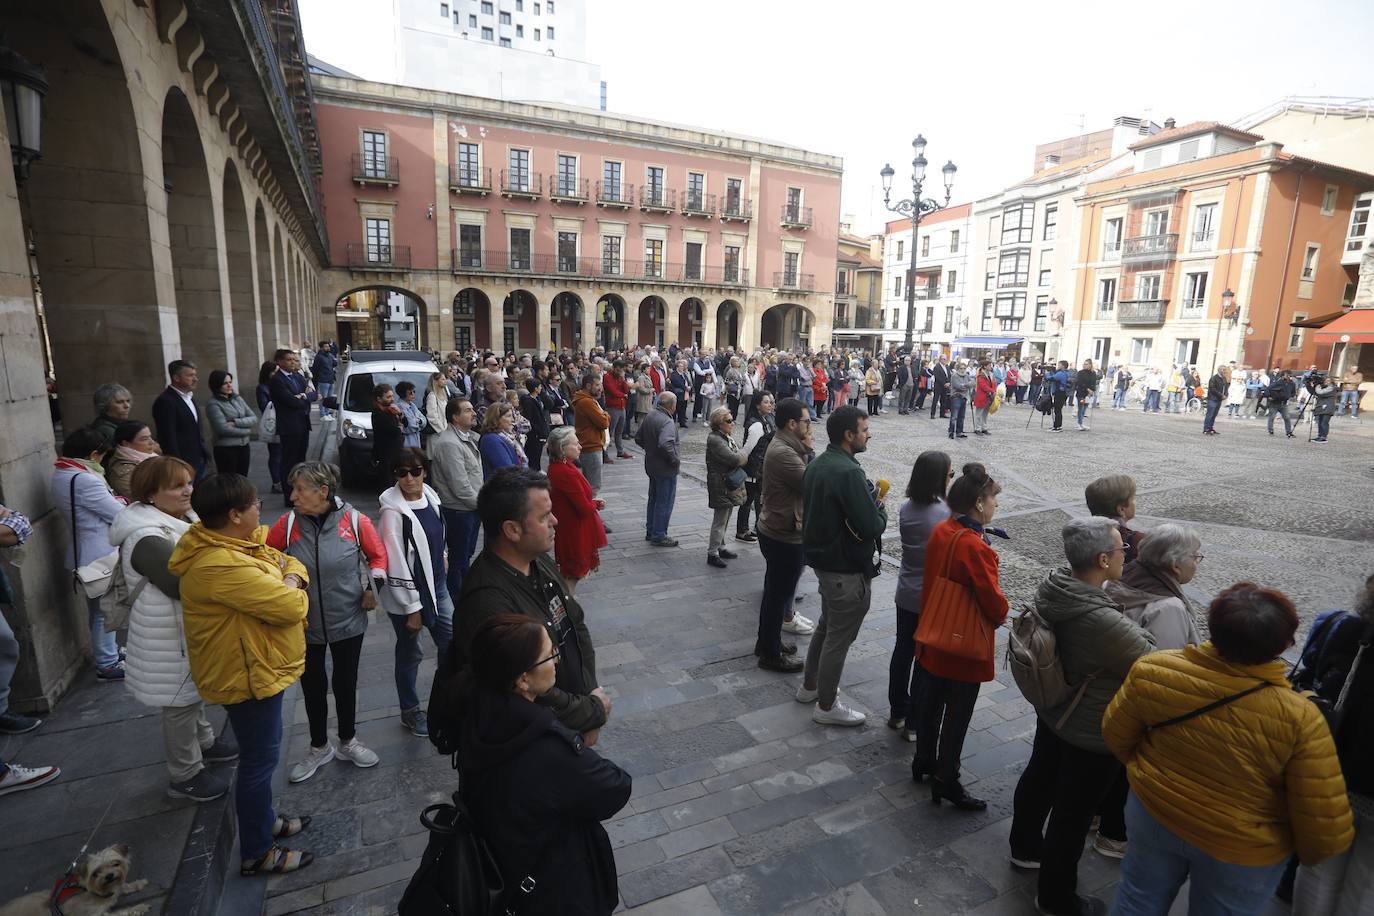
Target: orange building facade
1206 250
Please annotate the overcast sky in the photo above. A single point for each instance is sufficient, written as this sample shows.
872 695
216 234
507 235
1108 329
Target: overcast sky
987 79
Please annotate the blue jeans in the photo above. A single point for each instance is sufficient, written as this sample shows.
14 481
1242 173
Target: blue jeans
808 399
662 496
1151 401
9 660
1119 398
409 653
1082 410
957 404
257 726
325 389
104 649
1351 399
1158 862
1210 418
1175 401
1323 428
460 537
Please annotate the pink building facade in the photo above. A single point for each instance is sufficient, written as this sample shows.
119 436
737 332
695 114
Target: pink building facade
523 227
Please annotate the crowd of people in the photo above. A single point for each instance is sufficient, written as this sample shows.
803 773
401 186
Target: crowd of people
220 609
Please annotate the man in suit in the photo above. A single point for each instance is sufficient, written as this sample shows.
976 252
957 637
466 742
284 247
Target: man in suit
178 419
292 395
940 391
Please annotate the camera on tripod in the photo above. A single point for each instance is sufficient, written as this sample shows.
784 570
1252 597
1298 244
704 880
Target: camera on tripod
1314 380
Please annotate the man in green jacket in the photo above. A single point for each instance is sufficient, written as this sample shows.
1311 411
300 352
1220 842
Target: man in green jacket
842 522
514 574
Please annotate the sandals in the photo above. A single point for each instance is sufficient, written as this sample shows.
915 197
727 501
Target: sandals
285 826
276 861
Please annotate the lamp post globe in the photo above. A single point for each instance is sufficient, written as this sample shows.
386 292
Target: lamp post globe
919 145
887 173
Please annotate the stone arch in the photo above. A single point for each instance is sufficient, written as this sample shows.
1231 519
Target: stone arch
380 317
610 322
653 312
191 234
691 315
88 211
729 315
520 322
786 325
267 297
471 320
283 329
247 343
566 313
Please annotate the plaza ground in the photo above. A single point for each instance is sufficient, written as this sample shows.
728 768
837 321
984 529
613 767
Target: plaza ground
741 804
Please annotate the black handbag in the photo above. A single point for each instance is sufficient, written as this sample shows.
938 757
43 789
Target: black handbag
458 874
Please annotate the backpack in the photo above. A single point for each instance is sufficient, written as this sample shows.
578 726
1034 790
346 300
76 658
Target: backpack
1313 659
458 873
1046 403
1033 657
1277 390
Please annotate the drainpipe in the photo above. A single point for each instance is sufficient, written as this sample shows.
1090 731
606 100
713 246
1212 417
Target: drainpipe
1230 259
1283 282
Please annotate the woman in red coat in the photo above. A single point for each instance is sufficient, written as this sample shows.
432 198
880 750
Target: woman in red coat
985 391
958 544
579 534
820 386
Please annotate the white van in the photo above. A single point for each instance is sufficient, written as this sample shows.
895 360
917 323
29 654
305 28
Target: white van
365 370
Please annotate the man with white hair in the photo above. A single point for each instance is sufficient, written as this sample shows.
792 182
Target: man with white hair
658 436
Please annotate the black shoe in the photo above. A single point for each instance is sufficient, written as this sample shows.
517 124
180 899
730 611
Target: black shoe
956 795
962 436
717 562
951 435
787 664
747 536
920 769
789 648
728 554
15 724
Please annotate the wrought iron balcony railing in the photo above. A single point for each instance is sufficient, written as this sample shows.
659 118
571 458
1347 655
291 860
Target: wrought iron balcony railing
794 217
790 279
736 208
370 256
661 199
469 180
382 170
503 262
576 191
1148 247
1202 239
1111 250
522 183
615 194
696 203
1141 312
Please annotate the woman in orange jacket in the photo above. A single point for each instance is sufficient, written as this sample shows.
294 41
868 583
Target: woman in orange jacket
958 549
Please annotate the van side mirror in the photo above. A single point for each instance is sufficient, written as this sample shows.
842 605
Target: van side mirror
330 403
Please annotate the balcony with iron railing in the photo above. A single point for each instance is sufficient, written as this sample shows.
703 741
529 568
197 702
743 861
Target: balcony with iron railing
1111 250
736 208
1193 308
794 280
1141 313
925 293
521 183
1203 239
841 321
470 261
1105 311
570 191
795 217
369 256
615 194
469 179
375 170
655 199
1151 247
697 203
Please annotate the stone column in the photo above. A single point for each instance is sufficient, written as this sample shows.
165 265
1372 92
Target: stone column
588 321
496 318
632 322
543 321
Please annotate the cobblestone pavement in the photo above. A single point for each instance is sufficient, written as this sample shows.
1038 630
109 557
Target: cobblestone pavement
741 804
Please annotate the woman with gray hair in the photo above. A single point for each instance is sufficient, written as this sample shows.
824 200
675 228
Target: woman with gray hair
346 561
725 478
112 405
1150 590
580 533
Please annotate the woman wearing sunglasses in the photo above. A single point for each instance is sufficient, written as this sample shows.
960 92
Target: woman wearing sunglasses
416 595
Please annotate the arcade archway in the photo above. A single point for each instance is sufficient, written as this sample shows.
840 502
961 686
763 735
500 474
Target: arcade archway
653 312
728 317
786 326
610 322
381 318
689 322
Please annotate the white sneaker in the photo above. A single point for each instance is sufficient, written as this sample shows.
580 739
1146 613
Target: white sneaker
357 753
838 714
17 778
806 696
799 626
316 758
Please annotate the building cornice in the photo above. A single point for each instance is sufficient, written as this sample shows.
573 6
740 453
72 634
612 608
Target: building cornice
567 120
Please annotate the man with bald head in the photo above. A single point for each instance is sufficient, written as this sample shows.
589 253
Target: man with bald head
658 437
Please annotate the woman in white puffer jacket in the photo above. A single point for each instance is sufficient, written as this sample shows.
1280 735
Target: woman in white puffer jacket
157 670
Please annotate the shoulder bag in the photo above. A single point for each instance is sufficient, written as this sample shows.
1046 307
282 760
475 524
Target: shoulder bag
95 577
950 619
1215 704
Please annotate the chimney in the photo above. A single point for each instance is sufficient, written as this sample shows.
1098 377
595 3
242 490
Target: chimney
1169 123
1051 160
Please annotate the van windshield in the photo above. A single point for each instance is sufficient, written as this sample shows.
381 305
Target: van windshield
358 396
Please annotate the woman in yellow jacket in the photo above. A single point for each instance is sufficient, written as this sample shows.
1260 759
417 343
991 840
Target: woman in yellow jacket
244 607
1231 771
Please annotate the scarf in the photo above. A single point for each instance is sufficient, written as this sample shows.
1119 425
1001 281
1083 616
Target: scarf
1153 582
521 458
79 464
133 455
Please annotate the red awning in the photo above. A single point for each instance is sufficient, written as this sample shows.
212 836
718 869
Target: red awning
1355 326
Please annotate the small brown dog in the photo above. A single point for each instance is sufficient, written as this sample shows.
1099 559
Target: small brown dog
95 889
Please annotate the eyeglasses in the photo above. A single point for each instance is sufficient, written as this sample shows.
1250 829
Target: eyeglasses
552 658
1199 557
400 473
1115 549
950 476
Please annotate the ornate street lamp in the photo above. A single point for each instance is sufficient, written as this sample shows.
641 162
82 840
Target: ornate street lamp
914 209
22 87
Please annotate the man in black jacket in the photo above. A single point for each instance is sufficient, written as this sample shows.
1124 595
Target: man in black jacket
1217 387
514 574
939 395
1281 390
178 420
292 396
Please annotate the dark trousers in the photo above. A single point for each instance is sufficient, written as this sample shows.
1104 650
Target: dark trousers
257 725
921 398
1210 418
732 402
681 414
231 459
697 382
1112 811
784 567
943 711
753 489
460 537
315 686
1059 398
293 449
1067 784
274 462
905 677
534 449
874 403
1034 394
1323 425
939 402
